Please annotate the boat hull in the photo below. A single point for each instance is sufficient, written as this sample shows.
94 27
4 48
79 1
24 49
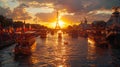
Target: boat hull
99 41
114 40
25 47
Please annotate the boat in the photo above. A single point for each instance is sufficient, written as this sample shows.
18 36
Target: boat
73 33
25 44
43 33
98 37
59 35
113 37
99 41
113 29
52 32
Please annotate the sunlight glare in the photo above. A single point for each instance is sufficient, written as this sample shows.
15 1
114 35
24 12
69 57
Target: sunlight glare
61 23
60 66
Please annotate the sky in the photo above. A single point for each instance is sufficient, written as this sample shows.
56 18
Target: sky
45 11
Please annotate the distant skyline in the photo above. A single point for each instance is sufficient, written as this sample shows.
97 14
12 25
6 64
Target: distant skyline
44 11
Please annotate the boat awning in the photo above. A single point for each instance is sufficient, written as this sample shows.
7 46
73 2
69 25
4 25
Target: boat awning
30 32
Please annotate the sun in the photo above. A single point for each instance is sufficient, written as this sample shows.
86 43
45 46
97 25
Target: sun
61 24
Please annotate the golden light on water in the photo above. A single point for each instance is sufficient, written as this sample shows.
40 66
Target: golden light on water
91 51
91 41
59 31
60 66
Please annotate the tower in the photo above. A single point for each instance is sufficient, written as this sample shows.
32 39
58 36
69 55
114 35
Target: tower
57 27
24 25
85 20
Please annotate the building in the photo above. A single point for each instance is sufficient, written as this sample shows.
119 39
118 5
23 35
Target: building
84 25
114 19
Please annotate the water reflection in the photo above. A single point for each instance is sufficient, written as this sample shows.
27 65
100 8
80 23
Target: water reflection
23 61
91 53
98 57
60 51
115 57
63 52
50 52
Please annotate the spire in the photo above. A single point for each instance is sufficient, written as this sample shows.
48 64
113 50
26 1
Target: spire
24 25
57 23
24 22
85 20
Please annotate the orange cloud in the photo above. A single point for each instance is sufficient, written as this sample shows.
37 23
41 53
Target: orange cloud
46 17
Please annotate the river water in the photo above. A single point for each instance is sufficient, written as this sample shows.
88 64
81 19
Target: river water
62 52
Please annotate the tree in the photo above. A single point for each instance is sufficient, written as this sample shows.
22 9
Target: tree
5 22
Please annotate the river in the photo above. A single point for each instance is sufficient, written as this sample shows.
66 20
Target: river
62 52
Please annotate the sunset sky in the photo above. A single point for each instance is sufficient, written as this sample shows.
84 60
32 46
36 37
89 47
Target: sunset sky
45 11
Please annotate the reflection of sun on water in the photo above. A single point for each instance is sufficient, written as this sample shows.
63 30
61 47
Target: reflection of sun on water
91 42
59 31
91 52
60 66
60 51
